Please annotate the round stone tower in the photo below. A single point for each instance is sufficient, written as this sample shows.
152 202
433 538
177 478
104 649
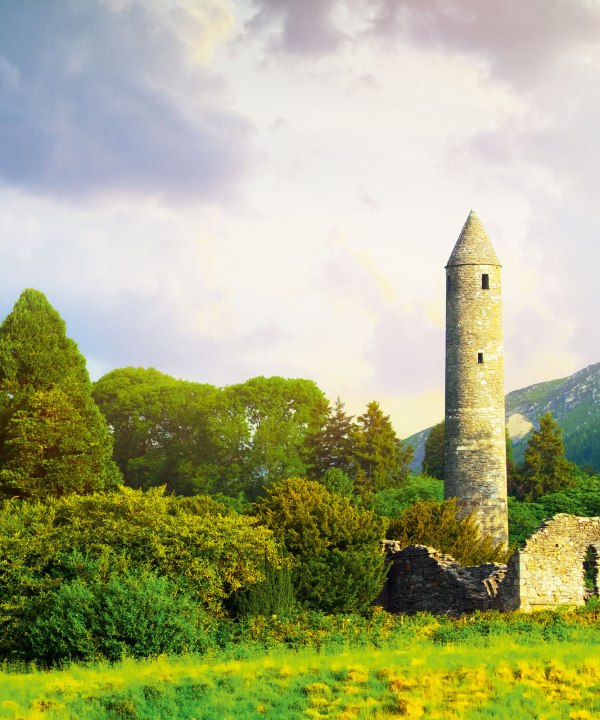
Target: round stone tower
475 439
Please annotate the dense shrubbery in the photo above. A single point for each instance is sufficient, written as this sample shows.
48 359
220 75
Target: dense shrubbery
439 525
334 544
393 502
111 614
583 499
273 596
86 549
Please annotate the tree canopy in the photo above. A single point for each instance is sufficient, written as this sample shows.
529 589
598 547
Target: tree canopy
195 437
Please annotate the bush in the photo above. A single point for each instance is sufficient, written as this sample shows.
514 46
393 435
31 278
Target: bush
337 481
335 546
523 519
394 501
135 613
207 556
439 525
272 596
582 499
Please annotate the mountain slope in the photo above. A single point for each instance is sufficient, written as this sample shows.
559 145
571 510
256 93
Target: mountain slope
573 401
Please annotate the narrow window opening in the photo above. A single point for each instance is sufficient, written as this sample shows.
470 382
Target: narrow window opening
480 358
448 283
590 571
485 281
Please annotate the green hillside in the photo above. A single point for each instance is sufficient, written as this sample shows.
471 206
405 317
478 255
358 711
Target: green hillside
575 403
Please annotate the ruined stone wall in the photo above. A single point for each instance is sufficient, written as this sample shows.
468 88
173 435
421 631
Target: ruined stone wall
475 441
548 569
423 579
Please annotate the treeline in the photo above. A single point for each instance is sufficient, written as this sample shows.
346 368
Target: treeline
92 568
235 441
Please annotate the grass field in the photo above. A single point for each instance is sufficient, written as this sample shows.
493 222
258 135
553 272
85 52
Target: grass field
474 676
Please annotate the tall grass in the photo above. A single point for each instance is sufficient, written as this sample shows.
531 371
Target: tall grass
480 667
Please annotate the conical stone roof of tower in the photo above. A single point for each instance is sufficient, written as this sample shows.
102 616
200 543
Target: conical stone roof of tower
473 246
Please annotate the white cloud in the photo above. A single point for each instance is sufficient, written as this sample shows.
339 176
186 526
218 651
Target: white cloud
355 161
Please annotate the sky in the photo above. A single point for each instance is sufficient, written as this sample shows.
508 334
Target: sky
222 189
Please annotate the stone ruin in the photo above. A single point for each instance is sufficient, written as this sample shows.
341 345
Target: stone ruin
545 572
421 579
548 569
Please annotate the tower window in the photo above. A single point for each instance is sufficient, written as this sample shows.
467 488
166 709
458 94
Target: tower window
480 358
485 281
448 283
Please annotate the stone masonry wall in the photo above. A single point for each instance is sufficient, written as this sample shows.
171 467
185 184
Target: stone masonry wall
423 579
548 569
545 572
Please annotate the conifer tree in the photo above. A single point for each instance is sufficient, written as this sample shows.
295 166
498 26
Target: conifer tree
379 459
328 444
53 438
433 462
546 468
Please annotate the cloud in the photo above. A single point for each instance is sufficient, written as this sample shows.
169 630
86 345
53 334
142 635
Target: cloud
408 351
300 28
519 41
106 97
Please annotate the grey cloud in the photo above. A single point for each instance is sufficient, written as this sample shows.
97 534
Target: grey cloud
301 28
91 101
520 41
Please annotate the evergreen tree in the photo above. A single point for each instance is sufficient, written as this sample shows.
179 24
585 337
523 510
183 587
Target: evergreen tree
328 444
53 438
512 473
379 459
546 469
433 462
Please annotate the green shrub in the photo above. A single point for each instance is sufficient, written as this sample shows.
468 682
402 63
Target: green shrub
523 519
337 481
439 525
136 613
394 501
272 596
208 555
334 545
582 499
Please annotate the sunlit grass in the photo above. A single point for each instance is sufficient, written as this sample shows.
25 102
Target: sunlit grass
546 680
485 665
